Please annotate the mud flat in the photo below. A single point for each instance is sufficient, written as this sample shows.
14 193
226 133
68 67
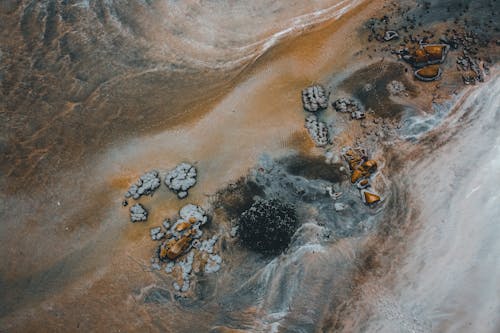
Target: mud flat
248 142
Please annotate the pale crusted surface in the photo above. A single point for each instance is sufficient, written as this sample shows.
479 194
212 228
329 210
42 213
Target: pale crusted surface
181 179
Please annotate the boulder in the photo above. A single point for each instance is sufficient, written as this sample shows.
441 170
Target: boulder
145 185
138 213
318 131
314 98
181 179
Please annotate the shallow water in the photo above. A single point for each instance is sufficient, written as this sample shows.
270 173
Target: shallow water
128 87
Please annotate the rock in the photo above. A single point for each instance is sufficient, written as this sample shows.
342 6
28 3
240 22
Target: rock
318 131
208 245
181 178
358 115
340 206
428 73
145 185
124 203
314 98
234 231
166 224
346 105
268 226
369 197
138 213
156 233
213 263
390 35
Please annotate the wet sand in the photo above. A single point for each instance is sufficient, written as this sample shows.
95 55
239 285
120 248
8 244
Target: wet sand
79 245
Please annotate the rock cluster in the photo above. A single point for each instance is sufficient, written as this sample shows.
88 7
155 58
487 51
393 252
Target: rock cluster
361 170
349 105
181 238
138 213
145 185
314 98
181 179
318 130
267 226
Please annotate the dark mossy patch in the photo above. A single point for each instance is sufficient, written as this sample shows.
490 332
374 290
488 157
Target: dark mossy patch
369 86
238 197
313 167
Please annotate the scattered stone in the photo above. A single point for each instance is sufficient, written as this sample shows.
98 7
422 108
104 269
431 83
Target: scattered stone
340 206
169 268
427 54
395 88
138 213
181 179
390 35
156 233
208 245
358 115
334 195
145 185
314 98
268 226
361 167
213 264
166 224
346 105
318 131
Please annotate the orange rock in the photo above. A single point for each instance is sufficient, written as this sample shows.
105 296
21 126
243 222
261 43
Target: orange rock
428 73
178 247
364 182
182 226
370 198
435 51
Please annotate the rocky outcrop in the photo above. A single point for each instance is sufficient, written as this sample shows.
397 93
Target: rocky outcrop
181 179
318 130
349 105
145 185
138 213
314 98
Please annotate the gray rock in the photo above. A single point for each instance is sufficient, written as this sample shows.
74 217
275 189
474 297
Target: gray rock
138 213
390 35
318 130
348 105
145 185
213 263
314 98
181 178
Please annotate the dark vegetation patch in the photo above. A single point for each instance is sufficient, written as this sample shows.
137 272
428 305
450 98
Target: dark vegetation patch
369 86
313 167
268 226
